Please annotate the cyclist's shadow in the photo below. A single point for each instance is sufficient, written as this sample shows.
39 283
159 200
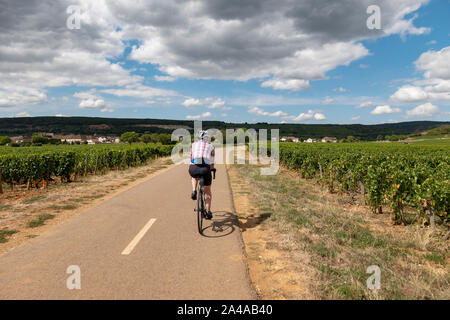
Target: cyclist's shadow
223 224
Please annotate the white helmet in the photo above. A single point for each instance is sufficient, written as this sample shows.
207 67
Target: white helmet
202 134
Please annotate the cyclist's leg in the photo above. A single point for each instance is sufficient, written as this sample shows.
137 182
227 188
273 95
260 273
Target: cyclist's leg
208 197
194 182
193 172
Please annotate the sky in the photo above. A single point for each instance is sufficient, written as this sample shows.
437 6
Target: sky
276 61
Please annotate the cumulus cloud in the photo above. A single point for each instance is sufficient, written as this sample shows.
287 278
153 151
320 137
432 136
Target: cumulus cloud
435 64
292 41
140 91
287 42
438 86
385 110
21 96
230 57
22 115
436 83
92 103
218 103
69 57
405 27
340 89
199 116
164 100
327 100
319 116
91 100
409 94
261 112
191 102
90 94
289 84
107 109
165 78
365 104
426 110
211 103
355 118
310 115
159 101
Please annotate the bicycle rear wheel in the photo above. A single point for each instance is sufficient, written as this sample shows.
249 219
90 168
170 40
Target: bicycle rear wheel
200 209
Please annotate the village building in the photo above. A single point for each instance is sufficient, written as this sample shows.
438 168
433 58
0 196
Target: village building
72 138
288 139
20 139
330 139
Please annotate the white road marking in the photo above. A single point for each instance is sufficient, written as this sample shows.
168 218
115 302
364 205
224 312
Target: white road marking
138 237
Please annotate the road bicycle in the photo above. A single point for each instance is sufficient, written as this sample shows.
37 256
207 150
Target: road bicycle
200 207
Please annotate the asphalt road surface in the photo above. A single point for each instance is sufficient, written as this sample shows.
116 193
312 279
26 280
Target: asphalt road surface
141 244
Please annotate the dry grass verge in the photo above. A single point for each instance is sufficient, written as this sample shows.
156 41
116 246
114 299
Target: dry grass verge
304 243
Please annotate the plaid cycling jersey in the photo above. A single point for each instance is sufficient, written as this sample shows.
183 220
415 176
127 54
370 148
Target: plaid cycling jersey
202 152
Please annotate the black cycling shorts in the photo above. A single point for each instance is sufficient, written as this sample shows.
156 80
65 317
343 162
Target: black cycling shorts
201 170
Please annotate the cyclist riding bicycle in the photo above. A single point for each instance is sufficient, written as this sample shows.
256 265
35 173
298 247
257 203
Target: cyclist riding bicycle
202 162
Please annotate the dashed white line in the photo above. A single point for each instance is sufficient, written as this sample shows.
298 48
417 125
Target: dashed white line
138 237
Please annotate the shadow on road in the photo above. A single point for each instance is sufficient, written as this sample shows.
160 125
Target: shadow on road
223 224
253 220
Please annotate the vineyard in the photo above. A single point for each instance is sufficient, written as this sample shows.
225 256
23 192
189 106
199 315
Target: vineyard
36 166
413 180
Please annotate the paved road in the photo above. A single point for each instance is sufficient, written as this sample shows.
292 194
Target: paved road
171 261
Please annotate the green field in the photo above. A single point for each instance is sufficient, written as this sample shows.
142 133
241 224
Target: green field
433 142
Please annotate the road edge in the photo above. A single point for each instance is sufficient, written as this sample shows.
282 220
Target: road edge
241 241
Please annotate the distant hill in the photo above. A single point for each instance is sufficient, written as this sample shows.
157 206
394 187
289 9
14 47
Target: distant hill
116 126
443 130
